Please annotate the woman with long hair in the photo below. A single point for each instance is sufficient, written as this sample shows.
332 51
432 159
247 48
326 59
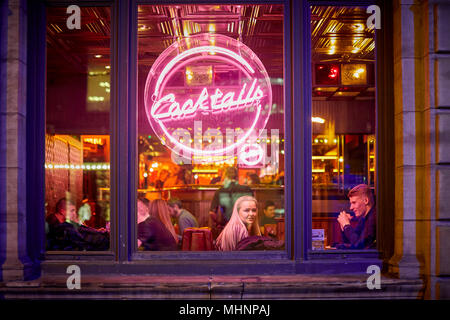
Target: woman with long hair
156 232
243 223
160 210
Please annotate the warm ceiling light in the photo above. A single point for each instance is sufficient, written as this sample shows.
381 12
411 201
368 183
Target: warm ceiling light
189 74
354 74
96 99
317 120
332 50
107 67
358 27
327 89
98 56
357 73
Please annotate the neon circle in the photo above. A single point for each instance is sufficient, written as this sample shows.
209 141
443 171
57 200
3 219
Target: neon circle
207 95
253 156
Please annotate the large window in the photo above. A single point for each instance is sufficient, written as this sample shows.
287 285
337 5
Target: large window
77 139
210 126
343 122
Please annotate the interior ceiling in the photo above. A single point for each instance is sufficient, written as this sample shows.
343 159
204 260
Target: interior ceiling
338 34
78 51
260 27
343 28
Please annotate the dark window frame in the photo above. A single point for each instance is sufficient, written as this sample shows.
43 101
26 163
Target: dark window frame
180 255
297 258
320 254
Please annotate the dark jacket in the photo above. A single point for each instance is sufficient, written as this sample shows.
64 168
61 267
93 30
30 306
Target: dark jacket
72 236
363 235
155 236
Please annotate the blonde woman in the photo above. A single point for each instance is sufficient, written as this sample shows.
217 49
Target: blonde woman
157 232
243 223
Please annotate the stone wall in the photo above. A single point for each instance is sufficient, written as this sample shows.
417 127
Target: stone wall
422 131
13 142
439 63
422 142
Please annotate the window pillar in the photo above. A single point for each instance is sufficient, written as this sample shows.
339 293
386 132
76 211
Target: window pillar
13 250
407 125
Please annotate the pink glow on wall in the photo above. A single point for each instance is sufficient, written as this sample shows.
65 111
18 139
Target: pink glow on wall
241 104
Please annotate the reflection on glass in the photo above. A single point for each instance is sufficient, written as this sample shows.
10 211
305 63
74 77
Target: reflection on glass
210 121
343 120
77 140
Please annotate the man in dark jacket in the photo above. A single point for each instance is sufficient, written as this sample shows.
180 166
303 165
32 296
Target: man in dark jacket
65 233
363 235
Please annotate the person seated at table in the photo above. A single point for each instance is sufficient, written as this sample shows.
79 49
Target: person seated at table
243 224
363 235
184 218
65 232
268 221
156 231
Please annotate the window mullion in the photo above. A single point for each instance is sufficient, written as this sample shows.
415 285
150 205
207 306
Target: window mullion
120 148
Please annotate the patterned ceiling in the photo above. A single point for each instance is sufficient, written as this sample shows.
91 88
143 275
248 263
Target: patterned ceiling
259 26
338 34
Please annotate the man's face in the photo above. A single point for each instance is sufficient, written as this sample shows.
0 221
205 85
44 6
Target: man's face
358 205
173 211
70 212
270 211
73 213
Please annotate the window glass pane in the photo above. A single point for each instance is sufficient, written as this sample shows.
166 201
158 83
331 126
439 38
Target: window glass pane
343 128
210 126
77 139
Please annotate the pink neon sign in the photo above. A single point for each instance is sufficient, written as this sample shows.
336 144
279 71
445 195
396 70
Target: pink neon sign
237 97
218 103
